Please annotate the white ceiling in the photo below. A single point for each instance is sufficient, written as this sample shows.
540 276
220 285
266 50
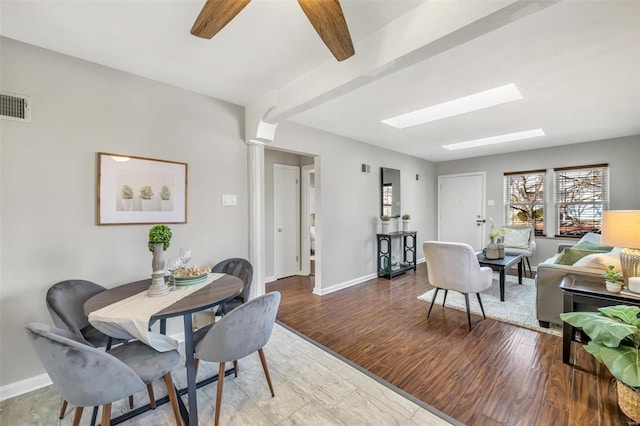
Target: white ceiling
577 64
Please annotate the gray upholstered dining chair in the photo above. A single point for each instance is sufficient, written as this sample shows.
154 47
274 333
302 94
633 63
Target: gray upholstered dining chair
65 301
520 239
87 377
242 269
454 266
241 332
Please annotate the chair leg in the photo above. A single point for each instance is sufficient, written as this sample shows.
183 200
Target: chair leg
152 397
171 391
481 307
466 299
444 300
433 301
196 364
219 394
131 402
529 266
235 367
106 415
63 409
263 360
77 416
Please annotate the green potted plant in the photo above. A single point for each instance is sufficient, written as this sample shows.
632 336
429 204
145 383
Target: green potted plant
159 234
159 239
127 197
612 279
406 218
385 223
615 342
145 196
495 250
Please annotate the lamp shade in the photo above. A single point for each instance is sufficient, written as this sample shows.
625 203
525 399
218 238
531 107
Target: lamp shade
621 228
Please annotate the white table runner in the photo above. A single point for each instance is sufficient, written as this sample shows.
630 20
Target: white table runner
129 318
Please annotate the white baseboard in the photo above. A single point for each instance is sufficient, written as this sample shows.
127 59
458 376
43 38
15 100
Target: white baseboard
341 286
350 283
36 382
269 279
24 386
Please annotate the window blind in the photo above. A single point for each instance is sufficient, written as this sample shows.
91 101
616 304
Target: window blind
581 195
524 199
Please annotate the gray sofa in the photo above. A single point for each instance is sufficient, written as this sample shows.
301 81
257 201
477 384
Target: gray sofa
549 276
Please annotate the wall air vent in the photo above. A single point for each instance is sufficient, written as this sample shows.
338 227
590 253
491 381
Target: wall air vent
15 107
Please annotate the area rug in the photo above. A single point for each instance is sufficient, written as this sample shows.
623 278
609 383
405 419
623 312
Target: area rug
518 308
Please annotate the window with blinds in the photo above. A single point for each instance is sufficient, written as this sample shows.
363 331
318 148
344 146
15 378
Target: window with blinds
524 199
581 195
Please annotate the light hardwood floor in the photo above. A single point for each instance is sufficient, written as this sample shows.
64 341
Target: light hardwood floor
312 388
497 374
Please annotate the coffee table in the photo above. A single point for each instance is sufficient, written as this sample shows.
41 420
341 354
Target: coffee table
501 265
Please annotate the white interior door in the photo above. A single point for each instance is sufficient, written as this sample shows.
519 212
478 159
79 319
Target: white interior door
286 205
461 211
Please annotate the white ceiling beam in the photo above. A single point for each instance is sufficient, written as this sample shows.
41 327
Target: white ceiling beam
426 31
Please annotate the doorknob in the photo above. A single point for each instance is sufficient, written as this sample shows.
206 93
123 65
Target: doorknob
480 221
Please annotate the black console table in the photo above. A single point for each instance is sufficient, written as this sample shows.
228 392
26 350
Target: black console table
385 269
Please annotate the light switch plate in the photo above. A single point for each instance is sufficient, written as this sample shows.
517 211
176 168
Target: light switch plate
229 200
491 202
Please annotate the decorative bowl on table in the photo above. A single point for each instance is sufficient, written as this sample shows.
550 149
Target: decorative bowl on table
192 275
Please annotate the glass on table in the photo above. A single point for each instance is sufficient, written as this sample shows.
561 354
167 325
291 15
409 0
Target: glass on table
173 264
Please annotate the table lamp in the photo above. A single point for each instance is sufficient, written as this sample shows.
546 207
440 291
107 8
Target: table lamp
621 228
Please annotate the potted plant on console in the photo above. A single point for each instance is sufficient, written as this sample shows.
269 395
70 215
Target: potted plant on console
615 342
612 279
385 219
159 238
405 222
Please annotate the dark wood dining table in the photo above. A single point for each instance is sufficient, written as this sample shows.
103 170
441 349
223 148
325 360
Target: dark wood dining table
213 294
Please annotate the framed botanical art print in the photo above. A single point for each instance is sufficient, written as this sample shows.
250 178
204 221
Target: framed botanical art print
138 190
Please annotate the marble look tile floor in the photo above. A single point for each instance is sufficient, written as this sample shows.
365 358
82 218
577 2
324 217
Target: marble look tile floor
312 387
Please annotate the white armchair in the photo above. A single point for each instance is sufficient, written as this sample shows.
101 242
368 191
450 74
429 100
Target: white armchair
520 240
454 266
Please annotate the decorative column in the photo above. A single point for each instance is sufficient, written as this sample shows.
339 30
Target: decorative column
256 215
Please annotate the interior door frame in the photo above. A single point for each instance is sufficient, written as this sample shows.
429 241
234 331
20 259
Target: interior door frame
275 218
484 199
305 241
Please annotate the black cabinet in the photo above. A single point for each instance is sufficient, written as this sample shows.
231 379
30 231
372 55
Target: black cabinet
385 253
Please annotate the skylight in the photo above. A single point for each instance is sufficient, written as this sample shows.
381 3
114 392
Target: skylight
509 137
477 101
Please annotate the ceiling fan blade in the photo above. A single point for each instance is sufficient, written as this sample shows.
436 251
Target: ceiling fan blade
215 14
328 20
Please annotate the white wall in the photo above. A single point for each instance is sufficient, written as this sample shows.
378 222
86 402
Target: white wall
622 155
48 228
350 200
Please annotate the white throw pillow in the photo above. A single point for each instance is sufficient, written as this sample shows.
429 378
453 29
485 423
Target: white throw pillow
518 238
600 261
592 238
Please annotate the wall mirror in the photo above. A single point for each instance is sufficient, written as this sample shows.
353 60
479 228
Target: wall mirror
390 190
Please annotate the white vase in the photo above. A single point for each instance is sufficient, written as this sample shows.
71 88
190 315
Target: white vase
127 204
385 227
613 286
166 205
158 287
405 226
146 205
